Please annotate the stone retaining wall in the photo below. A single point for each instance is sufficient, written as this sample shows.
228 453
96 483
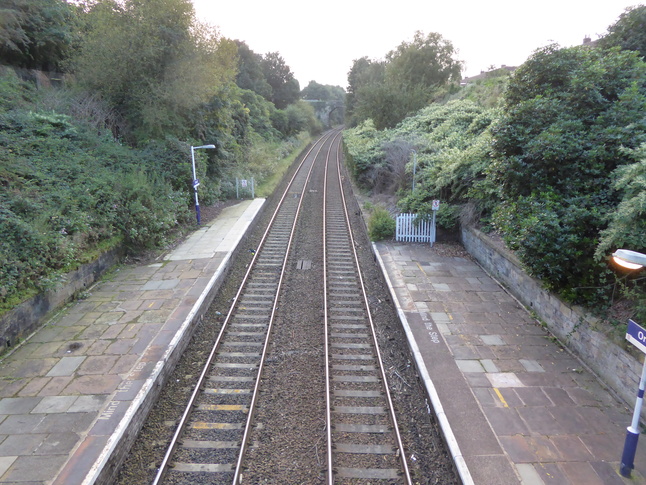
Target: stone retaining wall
575 329
20 322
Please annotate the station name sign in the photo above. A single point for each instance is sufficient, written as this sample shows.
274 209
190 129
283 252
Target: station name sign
636 335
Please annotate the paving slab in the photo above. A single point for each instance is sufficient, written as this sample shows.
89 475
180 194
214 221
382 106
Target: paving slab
514 406
69 393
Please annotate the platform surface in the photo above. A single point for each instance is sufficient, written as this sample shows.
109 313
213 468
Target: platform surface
515 405
70 393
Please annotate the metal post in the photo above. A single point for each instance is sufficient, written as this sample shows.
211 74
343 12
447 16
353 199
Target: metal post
237 190
433 229
414 167
253 189
632 434
195 184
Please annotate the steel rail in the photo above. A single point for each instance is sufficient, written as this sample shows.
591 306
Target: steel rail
384 380
198 386
328 401
237 477
374 333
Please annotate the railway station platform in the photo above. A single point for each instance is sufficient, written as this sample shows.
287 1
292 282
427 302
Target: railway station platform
75 392
515 407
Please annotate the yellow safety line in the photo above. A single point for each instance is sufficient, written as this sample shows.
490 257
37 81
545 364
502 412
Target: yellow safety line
502 399
421 269
446 310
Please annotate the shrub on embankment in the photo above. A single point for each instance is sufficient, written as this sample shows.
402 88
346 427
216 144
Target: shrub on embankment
97 154
557 169
70 191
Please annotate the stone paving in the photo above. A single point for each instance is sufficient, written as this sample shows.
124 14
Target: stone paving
519 408
514 405
73 392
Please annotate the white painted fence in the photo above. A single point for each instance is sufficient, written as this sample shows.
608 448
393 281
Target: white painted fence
409 229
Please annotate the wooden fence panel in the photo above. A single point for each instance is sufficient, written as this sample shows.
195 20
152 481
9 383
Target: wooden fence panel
410 229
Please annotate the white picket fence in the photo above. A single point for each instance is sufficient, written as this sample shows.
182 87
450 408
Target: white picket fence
411 230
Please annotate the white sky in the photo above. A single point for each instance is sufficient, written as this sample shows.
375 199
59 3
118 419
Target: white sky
320 40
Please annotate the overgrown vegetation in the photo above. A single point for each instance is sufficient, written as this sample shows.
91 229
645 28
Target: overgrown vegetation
412 74
552 158
569 117
449 145
98 154
38 34
381 225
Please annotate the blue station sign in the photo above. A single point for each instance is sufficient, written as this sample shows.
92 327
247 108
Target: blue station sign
636 335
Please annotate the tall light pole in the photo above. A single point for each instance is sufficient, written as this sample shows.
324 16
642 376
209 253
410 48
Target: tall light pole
414 167
629 259
634 261
196 182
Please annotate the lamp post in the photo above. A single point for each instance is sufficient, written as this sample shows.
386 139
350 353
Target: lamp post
634 261
196 182
414 168
629 259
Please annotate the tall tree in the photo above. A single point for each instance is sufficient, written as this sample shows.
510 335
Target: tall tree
285 88
404 83
363 76
153 61
250 73
426 61
629 32
37 34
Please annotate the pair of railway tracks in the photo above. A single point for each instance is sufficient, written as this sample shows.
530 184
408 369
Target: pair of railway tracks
213 439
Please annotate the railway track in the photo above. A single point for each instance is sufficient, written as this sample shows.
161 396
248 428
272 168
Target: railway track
218 436
363 436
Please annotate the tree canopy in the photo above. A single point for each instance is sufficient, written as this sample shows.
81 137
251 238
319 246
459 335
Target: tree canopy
250 72
629 32
388 91
426 61
37 34
153 61
285 88
268 76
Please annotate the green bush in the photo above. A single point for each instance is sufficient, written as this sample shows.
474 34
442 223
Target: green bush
363 150
381 225
555 239
68 191
448 217
627 227
572 119
149 210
